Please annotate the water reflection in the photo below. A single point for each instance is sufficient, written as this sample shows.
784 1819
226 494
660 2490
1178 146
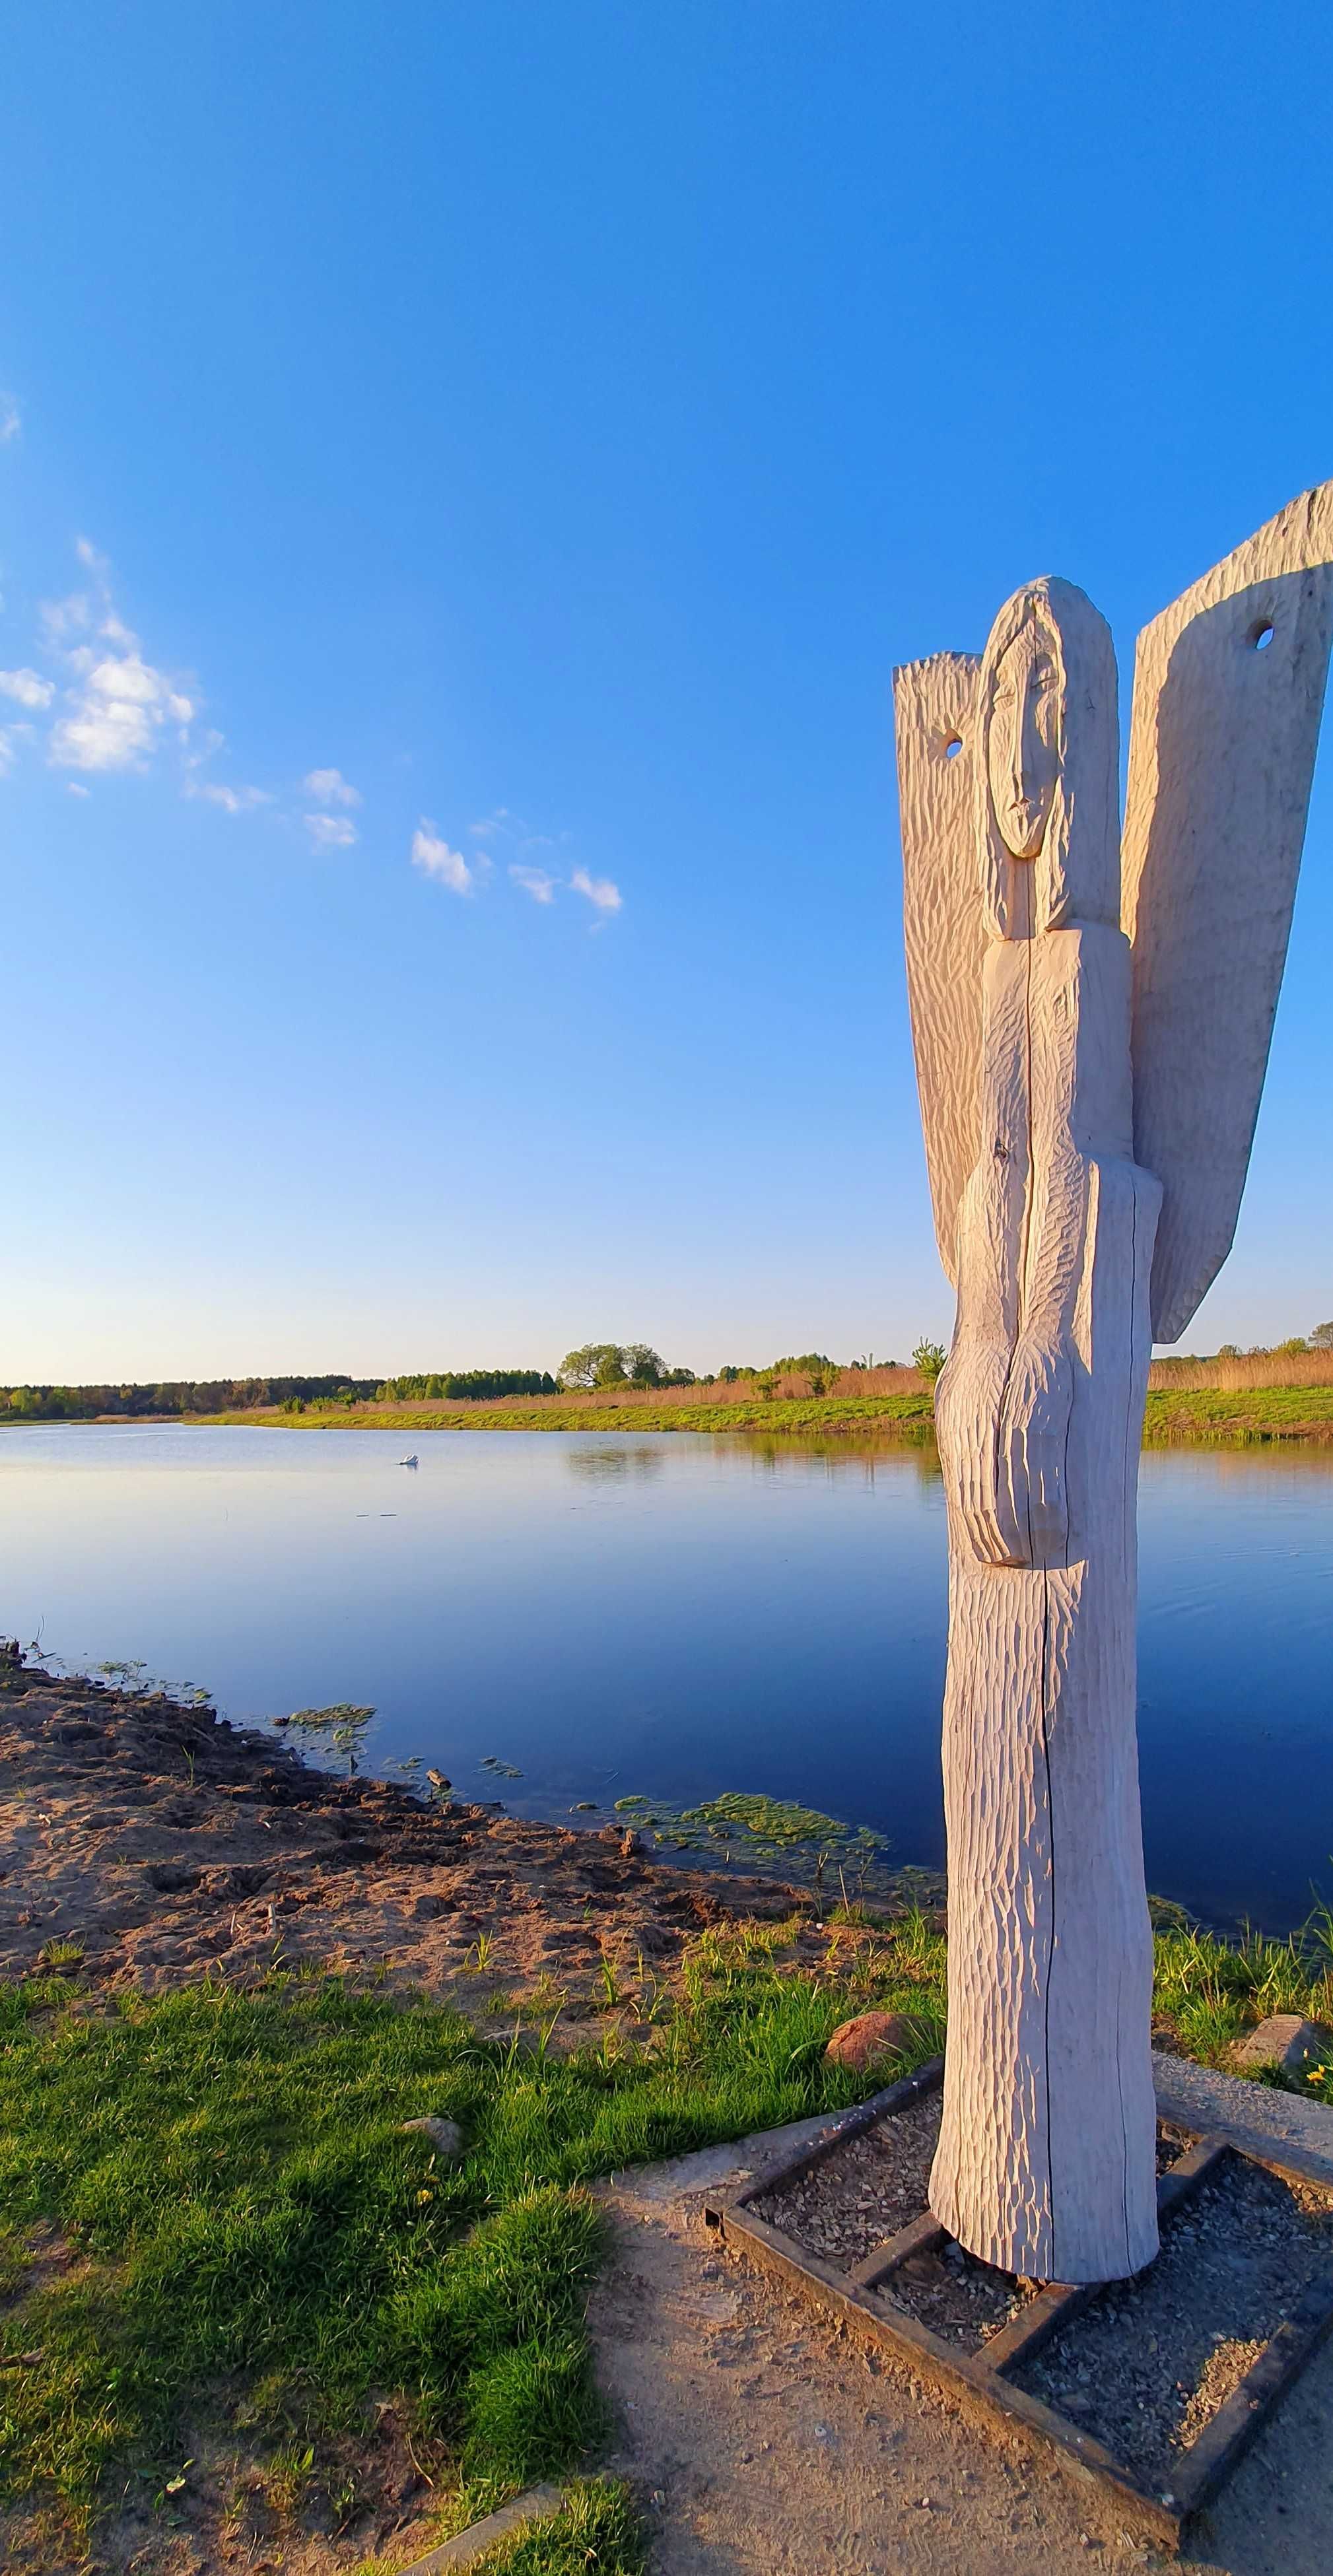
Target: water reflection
681 1615
612 1465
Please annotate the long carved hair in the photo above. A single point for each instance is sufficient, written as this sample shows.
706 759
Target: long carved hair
1076 873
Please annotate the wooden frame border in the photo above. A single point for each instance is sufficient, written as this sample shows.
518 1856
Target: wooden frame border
979 2383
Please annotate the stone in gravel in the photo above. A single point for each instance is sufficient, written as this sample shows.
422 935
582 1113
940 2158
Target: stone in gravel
445 2136
868 2038
427 1907
1287 2043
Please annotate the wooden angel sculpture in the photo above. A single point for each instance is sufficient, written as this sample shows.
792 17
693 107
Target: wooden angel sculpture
1091 1020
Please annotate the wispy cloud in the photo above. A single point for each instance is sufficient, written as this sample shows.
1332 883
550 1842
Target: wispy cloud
448 867
599 890
6 752
74 787
329 831
27 688
329 787
11 420
117 704
535 881
528 866
117 709
233 800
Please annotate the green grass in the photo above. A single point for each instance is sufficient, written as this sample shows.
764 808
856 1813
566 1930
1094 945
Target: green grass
1222 1418
1210 1418
784 1413
246 2240
597 2528
247 2227
1210 1991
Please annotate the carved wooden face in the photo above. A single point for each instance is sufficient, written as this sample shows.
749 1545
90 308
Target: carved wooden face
1022 749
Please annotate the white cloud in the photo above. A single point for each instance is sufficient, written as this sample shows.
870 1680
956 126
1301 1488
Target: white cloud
10 421
500 821
330 787
599 890
330 831
117 704
27 688
435 859
73 788
235 800
536 882
117 708
6 752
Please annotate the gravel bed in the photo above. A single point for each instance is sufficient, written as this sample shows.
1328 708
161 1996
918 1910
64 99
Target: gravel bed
1152 2361
866 2190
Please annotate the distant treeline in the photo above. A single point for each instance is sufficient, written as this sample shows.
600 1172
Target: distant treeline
179 1396
463 1386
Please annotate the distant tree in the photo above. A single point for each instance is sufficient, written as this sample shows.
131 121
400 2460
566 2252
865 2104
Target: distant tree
645 1367
594 1364
816 1365
1321 1339
617 1364
1229 1351
1294 1348
929 1357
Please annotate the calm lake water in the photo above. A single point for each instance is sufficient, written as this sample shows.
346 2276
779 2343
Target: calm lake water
679 1616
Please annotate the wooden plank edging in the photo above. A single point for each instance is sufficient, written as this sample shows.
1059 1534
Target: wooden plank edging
468 2546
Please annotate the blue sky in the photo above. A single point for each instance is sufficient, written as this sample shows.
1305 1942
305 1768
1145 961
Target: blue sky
467 474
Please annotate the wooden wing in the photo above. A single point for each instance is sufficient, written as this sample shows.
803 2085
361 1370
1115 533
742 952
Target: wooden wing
1228 688
934 706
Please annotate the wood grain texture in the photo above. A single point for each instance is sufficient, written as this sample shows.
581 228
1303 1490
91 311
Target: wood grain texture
1045 2163
1221 756
933 706
1046 2157
1078 1208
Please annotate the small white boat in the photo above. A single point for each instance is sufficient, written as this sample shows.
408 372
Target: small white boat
413 1461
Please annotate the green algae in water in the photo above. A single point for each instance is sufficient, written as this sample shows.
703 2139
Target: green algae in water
747 1825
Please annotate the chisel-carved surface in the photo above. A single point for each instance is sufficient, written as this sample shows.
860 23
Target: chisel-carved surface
1083 1194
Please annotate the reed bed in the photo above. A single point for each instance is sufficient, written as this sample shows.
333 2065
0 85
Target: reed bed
797 1387
1166 1377
1232 1376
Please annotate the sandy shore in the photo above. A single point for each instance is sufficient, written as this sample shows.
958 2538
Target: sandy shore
164 1841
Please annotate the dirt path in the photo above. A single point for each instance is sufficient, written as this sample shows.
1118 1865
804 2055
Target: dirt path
772 2445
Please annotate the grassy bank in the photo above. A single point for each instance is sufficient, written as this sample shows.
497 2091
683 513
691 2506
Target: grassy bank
557 1413
226 2264
218 2235
1235 1417
1198 1416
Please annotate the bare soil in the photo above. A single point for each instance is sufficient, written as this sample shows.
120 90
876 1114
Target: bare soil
164 1841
